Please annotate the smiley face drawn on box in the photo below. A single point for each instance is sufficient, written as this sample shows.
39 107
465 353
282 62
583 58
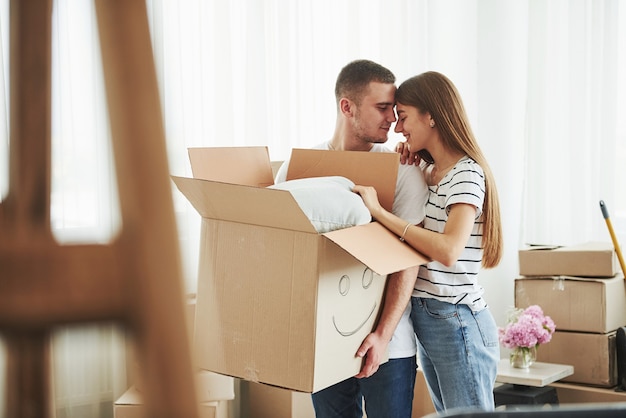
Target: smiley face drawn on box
355 289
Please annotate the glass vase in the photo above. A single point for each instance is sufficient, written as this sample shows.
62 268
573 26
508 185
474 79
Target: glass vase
523 357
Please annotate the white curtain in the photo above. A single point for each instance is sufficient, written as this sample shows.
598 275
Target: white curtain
541 82
575 137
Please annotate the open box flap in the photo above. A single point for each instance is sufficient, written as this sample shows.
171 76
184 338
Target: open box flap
584 247
244 204
377 247
378 169
248 166
619 276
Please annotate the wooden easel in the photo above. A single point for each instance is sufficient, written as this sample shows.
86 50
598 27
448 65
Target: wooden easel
135 280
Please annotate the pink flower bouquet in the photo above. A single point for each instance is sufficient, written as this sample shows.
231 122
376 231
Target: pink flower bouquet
527 328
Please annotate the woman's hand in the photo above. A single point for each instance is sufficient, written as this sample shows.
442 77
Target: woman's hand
370 198
406 156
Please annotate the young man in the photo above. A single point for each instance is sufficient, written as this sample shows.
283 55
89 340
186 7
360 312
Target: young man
364 93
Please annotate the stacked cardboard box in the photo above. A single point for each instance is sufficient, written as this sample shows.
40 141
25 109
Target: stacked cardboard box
579 288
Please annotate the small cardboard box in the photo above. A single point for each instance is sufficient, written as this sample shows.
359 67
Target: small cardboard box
209 386
591 259
576 303
264 401
277 302
594 356
130 405
214 387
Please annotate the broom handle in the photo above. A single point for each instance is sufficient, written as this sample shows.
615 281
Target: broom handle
605 214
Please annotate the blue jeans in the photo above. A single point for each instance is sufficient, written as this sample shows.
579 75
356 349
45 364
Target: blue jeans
388 393
459 353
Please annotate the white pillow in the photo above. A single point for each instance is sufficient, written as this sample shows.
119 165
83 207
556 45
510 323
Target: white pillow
328 202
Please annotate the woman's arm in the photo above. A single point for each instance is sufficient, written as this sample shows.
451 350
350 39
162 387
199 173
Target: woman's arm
445 247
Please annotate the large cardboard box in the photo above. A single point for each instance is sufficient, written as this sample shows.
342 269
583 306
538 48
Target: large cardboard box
591 259
576 303
277 302
593 356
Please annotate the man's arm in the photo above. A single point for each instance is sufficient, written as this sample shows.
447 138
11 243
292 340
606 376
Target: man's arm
398 293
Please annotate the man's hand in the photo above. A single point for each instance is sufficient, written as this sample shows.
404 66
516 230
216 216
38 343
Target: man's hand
406 156
373 350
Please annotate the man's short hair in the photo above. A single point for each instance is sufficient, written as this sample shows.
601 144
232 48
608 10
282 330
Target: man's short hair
354 79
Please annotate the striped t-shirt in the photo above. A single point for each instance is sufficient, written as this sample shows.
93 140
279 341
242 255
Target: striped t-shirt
464 183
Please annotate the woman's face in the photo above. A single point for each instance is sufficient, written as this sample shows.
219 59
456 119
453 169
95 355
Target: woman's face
415 126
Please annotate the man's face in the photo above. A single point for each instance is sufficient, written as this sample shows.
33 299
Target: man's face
374 117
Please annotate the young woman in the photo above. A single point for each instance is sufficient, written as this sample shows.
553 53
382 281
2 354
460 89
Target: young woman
458 339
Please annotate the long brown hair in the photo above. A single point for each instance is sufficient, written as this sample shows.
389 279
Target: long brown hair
432 92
